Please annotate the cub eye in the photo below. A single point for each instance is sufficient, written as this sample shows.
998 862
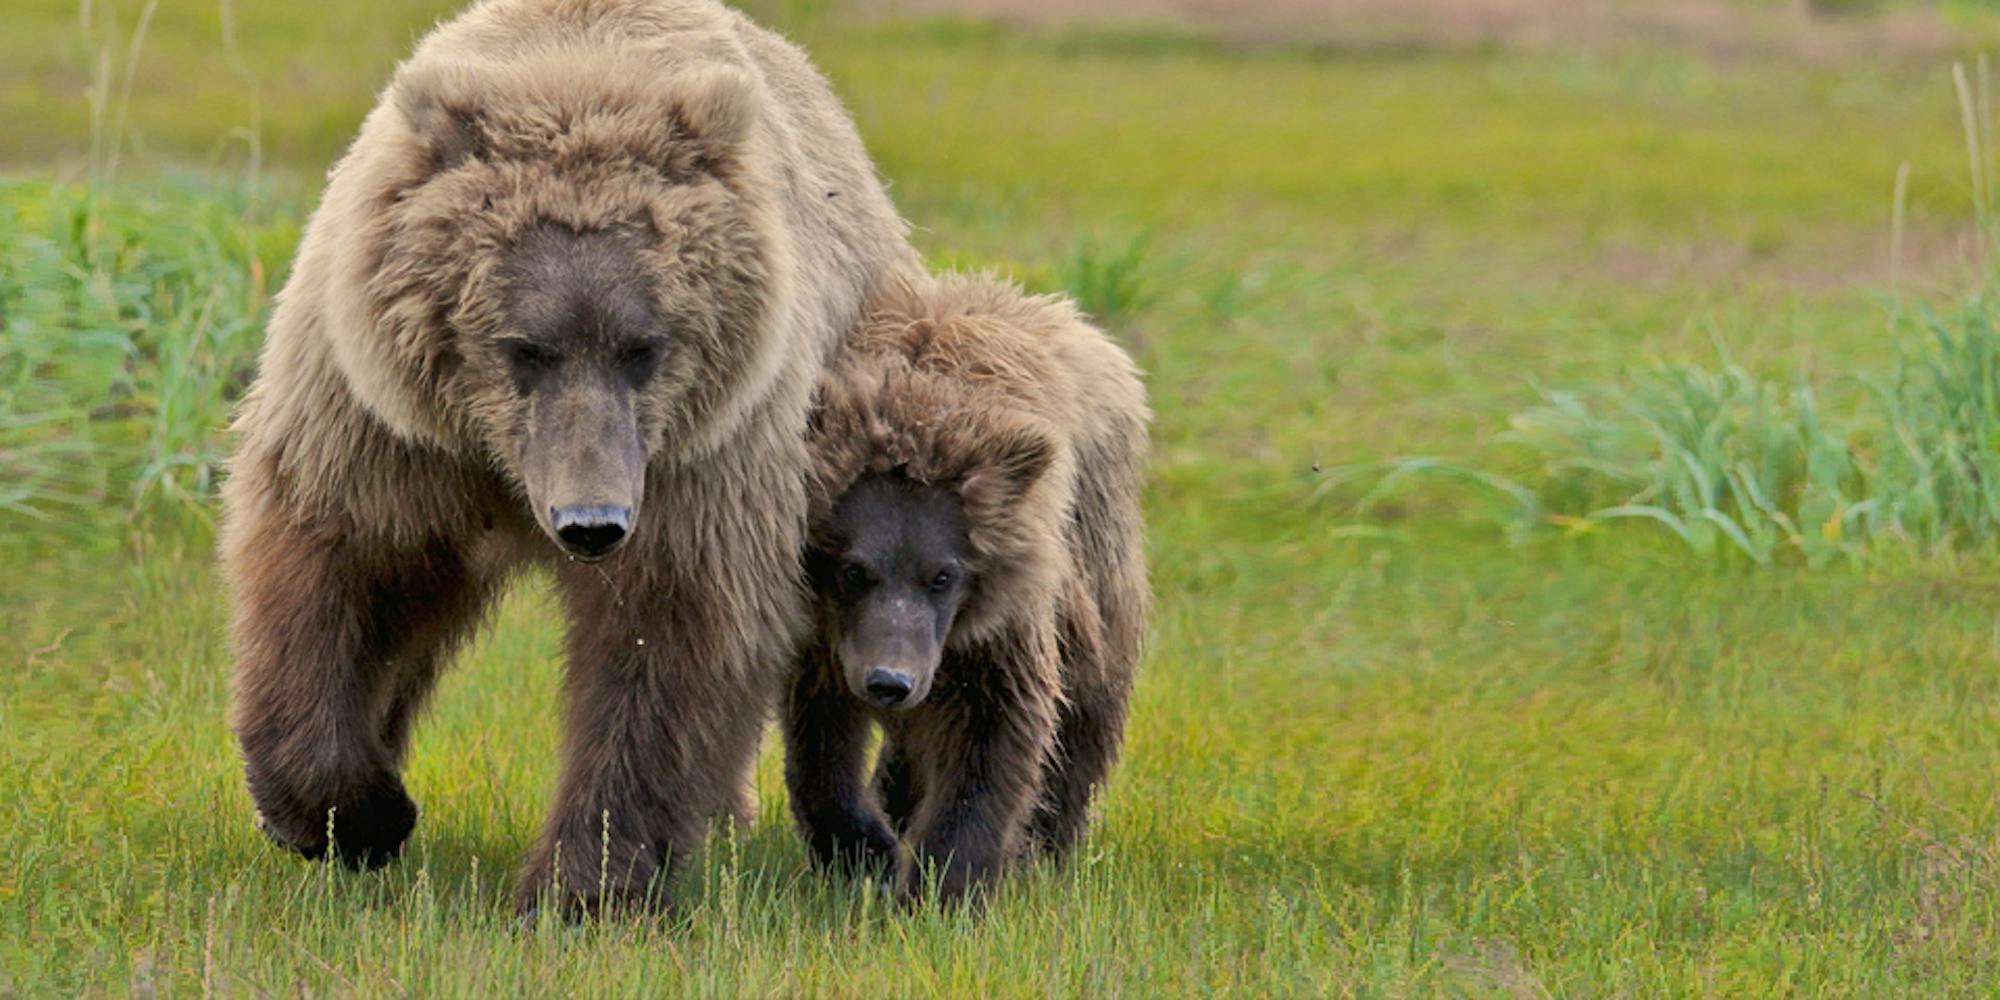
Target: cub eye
942 582
637 360
854 575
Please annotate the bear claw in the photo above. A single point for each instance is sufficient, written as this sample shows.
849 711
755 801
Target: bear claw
369 830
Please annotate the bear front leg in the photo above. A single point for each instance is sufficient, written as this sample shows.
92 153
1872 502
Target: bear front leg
330 637
980 753
668 693
826 736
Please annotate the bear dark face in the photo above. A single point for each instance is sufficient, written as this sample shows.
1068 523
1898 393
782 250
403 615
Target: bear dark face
582 345
890 574
583 271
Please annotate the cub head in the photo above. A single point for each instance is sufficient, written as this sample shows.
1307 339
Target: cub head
929 527
584 267
891 569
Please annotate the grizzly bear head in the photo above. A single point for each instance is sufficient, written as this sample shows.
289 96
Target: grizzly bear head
939 492
899 553
890 569
576 269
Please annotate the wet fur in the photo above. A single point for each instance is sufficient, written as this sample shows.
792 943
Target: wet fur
375 505
1038 422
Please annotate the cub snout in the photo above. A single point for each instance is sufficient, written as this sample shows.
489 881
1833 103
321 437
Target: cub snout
889 688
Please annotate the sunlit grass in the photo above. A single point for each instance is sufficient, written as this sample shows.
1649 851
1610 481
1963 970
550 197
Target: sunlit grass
131 327
1732 465
1420 760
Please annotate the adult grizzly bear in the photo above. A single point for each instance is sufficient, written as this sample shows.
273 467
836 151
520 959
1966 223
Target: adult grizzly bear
976 552
564 303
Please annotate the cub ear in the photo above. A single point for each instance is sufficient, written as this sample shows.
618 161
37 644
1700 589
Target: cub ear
1014 460
715 105
445 123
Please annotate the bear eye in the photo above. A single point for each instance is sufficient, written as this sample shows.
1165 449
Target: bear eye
638 360
530 358
942 582
854 575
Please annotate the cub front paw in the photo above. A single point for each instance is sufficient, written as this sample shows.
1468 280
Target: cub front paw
370 831
856 846
946 879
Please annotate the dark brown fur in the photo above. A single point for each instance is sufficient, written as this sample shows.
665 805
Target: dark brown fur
1037 422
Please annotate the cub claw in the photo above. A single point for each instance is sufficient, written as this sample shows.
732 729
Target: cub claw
863 847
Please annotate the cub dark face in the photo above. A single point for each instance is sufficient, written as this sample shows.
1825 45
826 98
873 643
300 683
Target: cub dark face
889 572
582 342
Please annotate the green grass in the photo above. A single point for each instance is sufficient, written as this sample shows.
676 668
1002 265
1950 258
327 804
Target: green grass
1739 466
1412 757
132 325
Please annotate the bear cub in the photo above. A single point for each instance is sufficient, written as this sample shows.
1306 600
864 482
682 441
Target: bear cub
977 567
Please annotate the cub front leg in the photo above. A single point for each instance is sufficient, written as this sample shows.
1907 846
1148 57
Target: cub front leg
826 736
980 753
896 784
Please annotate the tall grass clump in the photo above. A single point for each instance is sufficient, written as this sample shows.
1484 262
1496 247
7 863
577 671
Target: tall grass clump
1724 461
130 315
1935 456
1110 280
129 325
1714 455
1914 466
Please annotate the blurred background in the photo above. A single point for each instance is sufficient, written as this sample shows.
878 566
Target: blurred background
1574 504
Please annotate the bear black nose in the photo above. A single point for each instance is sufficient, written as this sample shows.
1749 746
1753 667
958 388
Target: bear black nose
889 687
591 531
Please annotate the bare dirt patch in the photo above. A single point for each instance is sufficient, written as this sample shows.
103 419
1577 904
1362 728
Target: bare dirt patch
1716 27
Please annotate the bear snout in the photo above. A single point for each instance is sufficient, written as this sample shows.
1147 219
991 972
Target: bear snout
591 531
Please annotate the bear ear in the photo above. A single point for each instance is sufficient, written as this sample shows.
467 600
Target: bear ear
1014 460
717 106
446 126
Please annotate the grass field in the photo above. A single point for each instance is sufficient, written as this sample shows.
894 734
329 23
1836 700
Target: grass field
1413 747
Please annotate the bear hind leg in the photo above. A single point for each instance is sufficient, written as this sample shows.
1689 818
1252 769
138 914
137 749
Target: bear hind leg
1087 742
896 786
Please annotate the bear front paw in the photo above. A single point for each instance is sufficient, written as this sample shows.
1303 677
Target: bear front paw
369 826
371 831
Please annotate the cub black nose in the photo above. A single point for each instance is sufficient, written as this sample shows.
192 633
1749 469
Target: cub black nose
591 532
889 687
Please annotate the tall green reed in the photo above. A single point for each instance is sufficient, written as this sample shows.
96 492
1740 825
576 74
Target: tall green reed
1727 462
